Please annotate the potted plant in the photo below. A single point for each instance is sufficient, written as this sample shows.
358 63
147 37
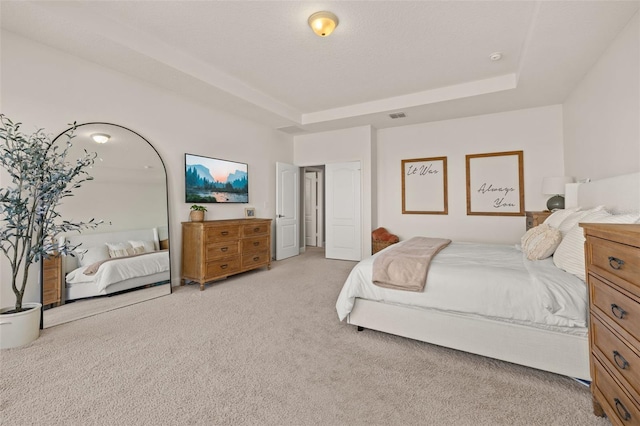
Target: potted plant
197 213
29 223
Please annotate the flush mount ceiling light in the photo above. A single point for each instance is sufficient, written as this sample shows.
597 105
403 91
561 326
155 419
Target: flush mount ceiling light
100 137
495 56
323 23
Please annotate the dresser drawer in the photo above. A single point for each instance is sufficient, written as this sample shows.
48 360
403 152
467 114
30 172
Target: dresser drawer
251 259
621 309
256 229
222 250
214 234
620 356
251 245
223 267
51 296
616 402
620 260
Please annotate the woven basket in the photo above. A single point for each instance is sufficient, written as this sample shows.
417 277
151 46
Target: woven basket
379 245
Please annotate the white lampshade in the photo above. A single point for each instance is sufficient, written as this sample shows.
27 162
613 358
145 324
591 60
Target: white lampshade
554 185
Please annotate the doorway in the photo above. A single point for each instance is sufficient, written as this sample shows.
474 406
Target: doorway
313 206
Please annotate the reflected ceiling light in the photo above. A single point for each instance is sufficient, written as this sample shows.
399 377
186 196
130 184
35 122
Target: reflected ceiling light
323 23
100 137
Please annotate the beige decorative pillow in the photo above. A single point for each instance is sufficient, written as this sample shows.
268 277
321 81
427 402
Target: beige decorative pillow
532 234
543 244
120 249
147 246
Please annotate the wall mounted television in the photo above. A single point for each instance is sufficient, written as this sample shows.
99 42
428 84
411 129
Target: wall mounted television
212 180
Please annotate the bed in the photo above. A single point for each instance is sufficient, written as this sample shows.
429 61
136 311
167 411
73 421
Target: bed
112 262
526 312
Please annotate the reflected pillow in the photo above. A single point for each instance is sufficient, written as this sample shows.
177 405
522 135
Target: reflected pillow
147 246
120 249
543 243
91 255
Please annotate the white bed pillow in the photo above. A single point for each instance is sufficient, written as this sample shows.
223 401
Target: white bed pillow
569 255
122 249
531 234
147 246
90 255
574 218
555 219
543 244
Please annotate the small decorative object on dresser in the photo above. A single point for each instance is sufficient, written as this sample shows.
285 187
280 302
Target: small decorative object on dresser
215 249
612 255
197 213
249 212
536 218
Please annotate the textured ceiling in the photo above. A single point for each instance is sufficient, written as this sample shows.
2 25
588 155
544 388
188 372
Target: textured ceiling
260 59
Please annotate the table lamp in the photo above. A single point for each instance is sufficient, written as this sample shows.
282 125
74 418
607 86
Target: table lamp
554 185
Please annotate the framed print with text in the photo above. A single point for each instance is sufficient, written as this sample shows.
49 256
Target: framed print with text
495 184
424 186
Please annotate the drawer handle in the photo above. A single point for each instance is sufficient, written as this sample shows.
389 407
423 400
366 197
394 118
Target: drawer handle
624 414
615 263
224 233
617 311
623 364
224 249
256 243
256 229
255 259
224 266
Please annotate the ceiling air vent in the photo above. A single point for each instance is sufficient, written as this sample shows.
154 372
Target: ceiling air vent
397 115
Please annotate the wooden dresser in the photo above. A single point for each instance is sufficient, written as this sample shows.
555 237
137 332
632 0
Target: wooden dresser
52 283
536 218
215 249
612 254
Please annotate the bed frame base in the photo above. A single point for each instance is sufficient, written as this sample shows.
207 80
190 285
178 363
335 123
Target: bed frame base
532 347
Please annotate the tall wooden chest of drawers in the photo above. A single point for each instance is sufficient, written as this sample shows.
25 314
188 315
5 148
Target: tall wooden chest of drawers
612 254
215 249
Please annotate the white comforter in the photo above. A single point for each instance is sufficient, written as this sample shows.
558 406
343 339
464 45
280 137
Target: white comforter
495 281
118 270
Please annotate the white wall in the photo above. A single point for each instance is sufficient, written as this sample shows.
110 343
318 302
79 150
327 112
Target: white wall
355 144
537 132
602 114
44 87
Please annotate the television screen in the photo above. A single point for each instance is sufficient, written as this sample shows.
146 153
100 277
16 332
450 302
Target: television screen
211 180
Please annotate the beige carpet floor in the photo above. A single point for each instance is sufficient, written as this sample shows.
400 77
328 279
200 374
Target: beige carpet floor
266 348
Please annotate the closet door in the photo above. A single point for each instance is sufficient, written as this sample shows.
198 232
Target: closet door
343 211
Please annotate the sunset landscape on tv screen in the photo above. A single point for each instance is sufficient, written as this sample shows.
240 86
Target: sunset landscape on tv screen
211 180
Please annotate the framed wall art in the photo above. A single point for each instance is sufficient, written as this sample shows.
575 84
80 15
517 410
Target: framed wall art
424 186
495 184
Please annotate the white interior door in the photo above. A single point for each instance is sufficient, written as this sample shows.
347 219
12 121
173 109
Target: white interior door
311 208
343 211
287 210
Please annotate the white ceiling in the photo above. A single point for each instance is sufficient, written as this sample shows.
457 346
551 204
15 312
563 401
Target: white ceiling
259 59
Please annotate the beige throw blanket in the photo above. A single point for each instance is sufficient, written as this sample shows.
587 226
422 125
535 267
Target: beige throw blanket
404 266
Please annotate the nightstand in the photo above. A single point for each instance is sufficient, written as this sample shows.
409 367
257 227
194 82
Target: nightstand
52 284
536 218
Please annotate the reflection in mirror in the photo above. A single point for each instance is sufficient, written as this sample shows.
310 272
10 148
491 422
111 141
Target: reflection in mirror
125 259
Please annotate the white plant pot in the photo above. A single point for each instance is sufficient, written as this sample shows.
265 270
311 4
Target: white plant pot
20 328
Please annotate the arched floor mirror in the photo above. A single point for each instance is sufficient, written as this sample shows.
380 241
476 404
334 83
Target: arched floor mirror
126 259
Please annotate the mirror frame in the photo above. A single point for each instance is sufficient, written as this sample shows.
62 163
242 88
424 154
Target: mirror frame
166 184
